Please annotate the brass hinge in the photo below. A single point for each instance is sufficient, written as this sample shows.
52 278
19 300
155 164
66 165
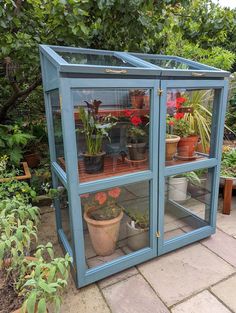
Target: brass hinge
160 91
158 234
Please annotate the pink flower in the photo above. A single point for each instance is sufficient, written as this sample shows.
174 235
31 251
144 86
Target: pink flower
171 123
101 197
114 193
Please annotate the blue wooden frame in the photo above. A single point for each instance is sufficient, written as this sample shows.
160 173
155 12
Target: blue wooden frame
142 75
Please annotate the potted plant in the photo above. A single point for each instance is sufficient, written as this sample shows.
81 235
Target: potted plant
137 135
95 129
171 140
139 98
137 229
103 215
178 185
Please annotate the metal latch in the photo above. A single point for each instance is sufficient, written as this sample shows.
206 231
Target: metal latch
158 234
160 91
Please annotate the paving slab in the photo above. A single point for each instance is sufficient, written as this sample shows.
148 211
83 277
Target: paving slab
184 272
47 229
226 291
117 277
133 295
223 245
227 223
203 302
85 300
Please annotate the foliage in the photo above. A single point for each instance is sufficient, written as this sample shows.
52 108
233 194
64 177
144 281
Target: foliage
102 205
42 281
21 191
18 223
192 177
195 29
12 142
228 163
95 127
140 218
7 170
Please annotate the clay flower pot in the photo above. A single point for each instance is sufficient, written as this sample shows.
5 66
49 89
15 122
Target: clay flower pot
137 101
187 146
104 234
33 159
171 146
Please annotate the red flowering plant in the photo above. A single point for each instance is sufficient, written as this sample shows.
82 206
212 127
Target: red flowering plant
138 126
175 120
102 205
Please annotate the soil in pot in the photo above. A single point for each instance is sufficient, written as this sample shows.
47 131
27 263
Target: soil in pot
137 151
9 300
94 163
103 233
171 146
137 237
187 146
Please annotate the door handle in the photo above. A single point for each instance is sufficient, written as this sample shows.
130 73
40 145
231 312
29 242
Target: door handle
108 70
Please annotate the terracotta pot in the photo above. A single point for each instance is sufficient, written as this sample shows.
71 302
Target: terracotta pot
171 147
94 163
104 234
137 237
137 101
137 151
187 146
33 159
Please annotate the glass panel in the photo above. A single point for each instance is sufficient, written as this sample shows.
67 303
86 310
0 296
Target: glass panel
57 125
187 202
116 222
188 125
93 59
64 210
169 63
112 128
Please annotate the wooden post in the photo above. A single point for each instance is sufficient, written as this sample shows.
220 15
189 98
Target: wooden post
227 196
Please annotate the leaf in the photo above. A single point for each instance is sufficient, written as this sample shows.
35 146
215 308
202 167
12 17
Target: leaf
42 306
46 287
31 302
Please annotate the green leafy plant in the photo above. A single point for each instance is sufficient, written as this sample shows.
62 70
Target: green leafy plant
140 218
192 177
42 280
12 142
95 127
8 170
18 189
228 162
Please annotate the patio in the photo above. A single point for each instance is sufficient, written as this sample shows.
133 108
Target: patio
199 278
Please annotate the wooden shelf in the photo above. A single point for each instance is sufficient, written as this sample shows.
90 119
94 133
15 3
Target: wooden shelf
25 176
114 112
113 166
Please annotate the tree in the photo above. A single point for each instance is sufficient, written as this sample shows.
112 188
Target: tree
189 28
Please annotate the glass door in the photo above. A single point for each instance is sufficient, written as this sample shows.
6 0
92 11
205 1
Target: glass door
192 130
115 122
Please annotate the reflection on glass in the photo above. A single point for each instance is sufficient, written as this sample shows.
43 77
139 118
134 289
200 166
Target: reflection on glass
116 222
64 211
188 125
112 129
168 63
93 59
187 202
57 124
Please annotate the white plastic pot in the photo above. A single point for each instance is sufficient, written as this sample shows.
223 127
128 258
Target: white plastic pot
178 188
